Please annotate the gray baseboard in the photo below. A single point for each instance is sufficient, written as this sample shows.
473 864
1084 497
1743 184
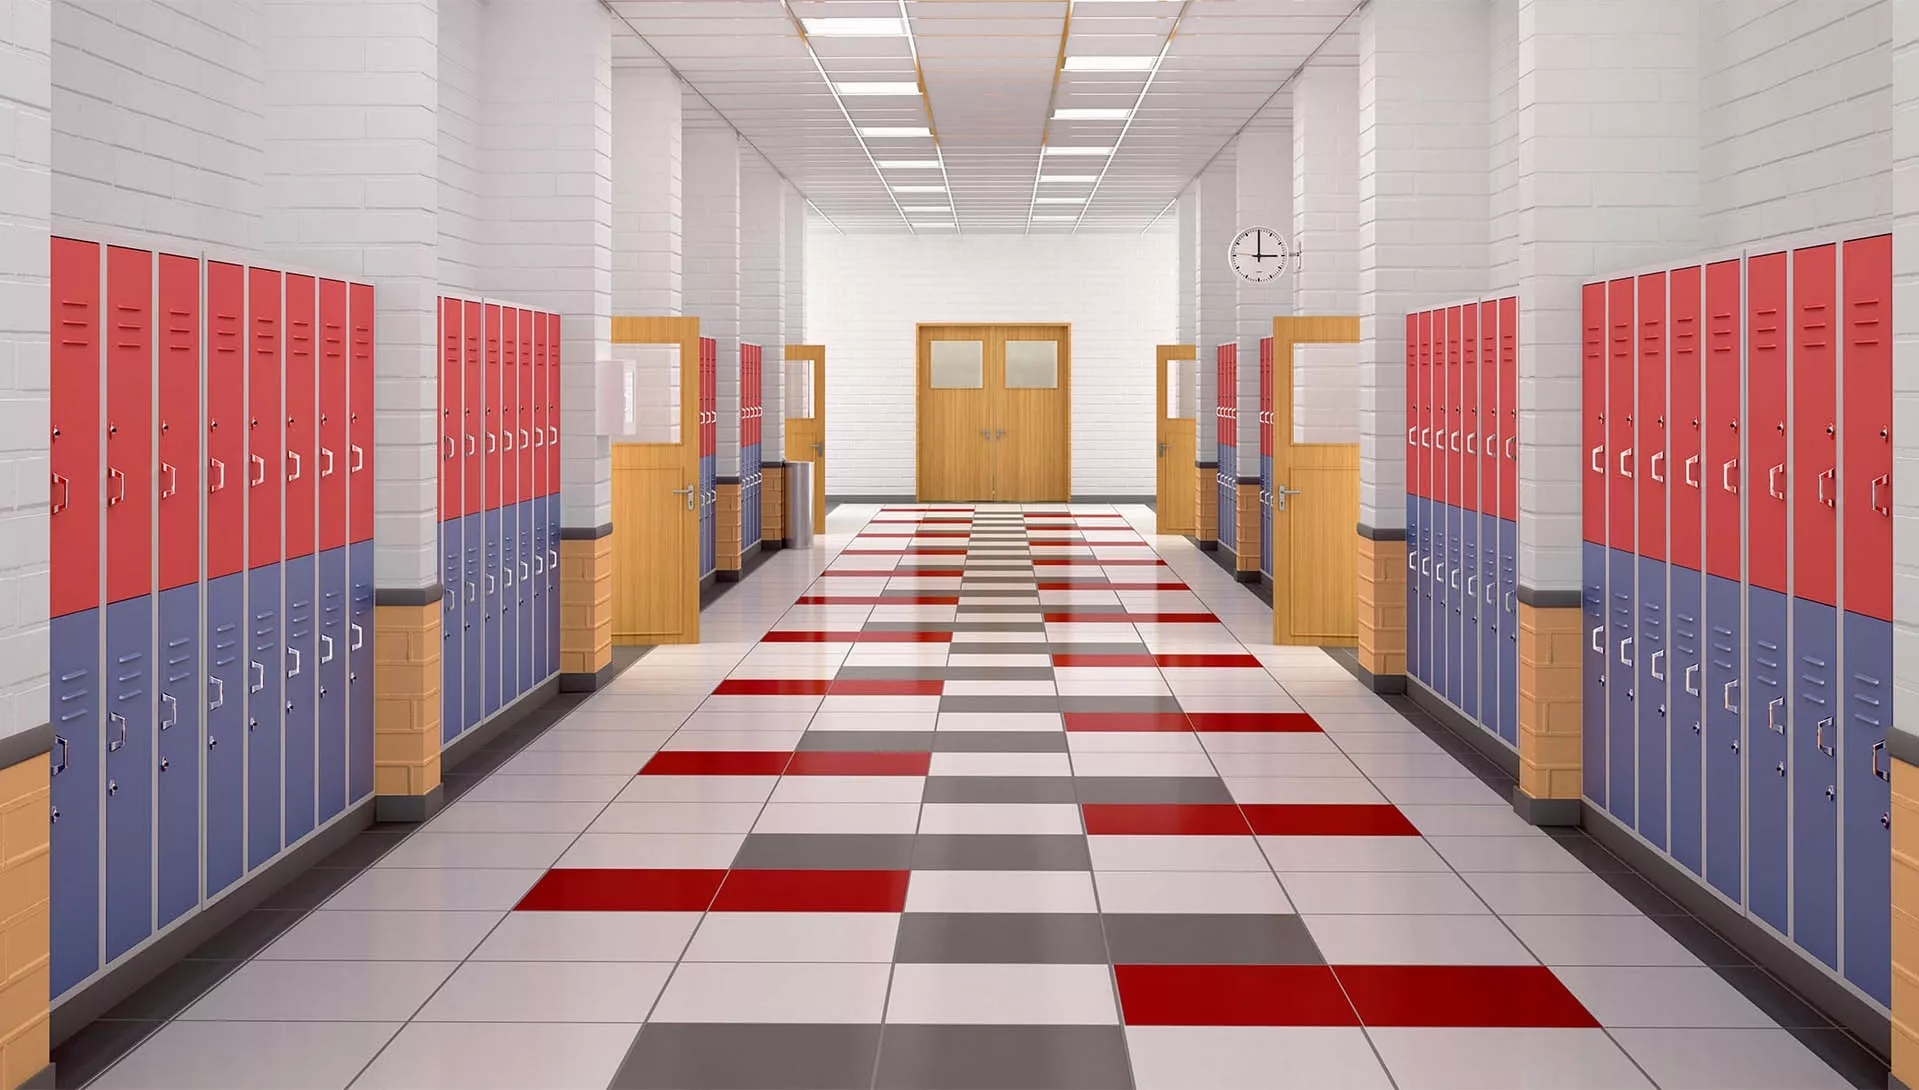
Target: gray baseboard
1466 730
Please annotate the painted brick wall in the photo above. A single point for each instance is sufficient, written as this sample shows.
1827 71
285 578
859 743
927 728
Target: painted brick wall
648 201
796 218
712 276
1186 223
1502 257
1795 106
1216 299
1905 373
866 292
1324 173
26 210
763 282
461 236
1263 182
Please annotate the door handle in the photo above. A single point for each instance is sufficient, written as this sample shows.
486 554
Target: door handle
1454 581
451 449
259 470
539 438
999 433
116 475
1658 456
525 570
173 480
818 449
1772 715
1657 675
986 433
1725 475
1426 566
1509 601
539 560
326 654
327 455
553 435
173 705
469 448
1819 736
1596 452
523 440
119 721
1279 496
470 588
688 493
1825 497
1725 697
294 457
553 560
1595 639
220 688
1455 436
1509 447
1412 561
492 442
1162 450
492 584
1692 672
1772 482
1471 582
61 482
1412 437
295 652
1623 644
1625 463
1886 509
1426 438
1692 477
359 635
60 744
259 677
1471 437
1491 599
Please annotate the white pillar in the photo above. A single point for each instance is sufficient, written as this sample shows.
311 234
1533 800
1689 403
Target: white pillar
712 280
1216 302
795 222
1325 181
648 225
763 284
1264 169
1188 213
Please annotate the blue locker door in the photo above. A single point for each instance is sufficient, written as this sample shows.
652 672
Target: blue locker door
1469 614
1491 680
301 662
178 811
1622 718
1685 712
452 639
1415 635
1865 785
1509 630
266 716
1650 652
336 643
74 657
1725 763
359 675
508 626
1814 743
227 676
131 764
1439 644
490 627
1767 884
1449 590
536 590
552 584
473 625
1593 705
523 583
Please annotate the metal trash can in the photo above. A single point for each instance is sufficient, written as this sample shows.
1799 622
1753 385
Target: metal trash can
799 505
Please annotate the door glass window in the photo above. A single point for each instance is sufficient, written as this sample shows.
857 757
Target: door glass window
1182 388
959 365
1032 365
640 394
799 389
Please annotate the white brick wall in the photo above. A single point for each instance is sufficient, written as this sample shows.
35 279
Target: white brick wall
1325 180
796 219
1905 371
1422 209
763 281
548 199
648 205
866 292
712 277
1216 300
1608 168
26 210
1502 258
1263 184
461 235
1795 106
158 118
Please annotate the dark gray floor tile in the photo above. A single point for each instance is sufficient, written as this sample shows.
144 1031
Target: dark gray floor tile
959 652
727 1056
1769 994
248 935
890 673
867 741
996 626
962 789
1058 938
997 608
997 673
989 704
1152 789
825 851
1003 1058
962 851
1141 704
1172 939
999 741
1701 941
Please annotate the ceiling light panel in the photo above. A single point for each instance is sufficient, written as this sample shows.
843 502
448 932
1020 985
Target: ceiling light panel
919 189
1068 179
877 90
895 132
1091 113
1109 64
854 28
909 164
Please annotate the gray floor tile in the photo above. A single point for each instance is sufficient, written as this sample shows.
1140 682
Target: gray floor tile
890 673
962 672
1035 938
825 851
1004 607
1097 648
967 851
999 703
999 741
1152 789
1119 704
910 626
867 741
995 626
1003 1058
996 589
1171 939
956 654
725 1056
999 789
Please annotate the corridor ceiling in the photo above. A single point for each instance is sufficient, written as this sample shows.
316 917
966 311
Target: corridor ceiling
830 92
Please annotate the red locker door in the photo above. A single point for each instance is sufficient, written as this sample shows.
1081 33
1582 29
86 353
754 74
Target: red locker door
1412 405
1469 407
509 406
179 420
360 412
1685 423
335 460
1428 409
474 424
130 476
1509 408
1722 472
1592 321
1651 437
266 450
539 405
74 413
452 411
1622 461
1815 431
525 402
494 455
553 404
226 419
302 406
1446 332
1491 467
1868 438
1766 419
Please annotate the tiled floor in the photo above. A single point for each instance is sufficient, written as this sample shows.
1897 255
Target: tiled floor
999 799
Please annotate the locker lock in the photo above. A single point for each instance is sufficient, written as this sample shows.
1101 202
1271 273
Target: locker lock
165 764
113 787
1780 768
1831 793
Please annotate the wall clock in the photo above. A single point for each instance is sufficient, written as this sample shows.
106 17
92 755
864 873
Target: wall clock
1258 254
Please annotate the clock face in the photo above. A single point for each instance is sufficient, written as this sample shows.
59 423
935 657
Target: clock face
1258 254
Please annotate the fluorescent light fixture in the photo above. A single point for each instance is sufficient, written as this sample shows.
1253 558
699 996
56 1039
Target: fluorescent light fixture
909 164
1110 64
887 132
1055 219
919 189
1101 113
912 209
1068 179
1053 149
904 90
854 28
936 226
1059 200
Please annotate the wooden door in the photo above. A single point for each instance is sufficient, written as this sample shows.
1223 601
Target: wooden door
1173 472
656 548
994 413
806 435
955 456
1315 507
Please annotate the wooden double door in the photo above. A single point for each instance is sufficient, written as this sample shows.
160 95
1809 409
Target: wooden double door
995 419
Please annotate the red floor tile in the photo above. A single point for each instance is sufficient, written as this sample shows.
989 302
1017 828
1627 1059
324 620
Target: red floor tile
765 686
583 890
905 637
1103 660
787 636
1328 819
876 600
1163 819
1253 722
1183 662
1162 722
718 762
884 687
1088 618
1462 995
813 891
1147 586
1232 995
1076 584
841 763
1131 618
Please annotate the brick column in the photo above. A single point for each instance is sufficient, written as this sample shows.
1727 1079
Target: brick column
1325 186
1216 322
713 294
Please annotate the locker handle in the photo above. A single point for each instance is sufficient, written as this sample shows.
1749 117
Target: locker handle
1623 644
1882 479
1412 561
1596 466
469 590
1489 443
1509 601
327 655
1625 463
116 475
492 442
1426 566
1725 475
221 481
539 560
469 448
1658 456
553 559
1725 697
260 677
295 652
294 456
1426 438
492 584
1692 672
1772 715
1595 639
1412 437
1455 436
220 699
116 719
1825 497
1692 464
539 437
359 457
1509 446
1882 773
525 570
1471 591
1819 736
169 722
553 435
66 493
1490 598
523 439
1772 481
450 449
173 480
259 470
1657 674
359 637
60 744
1454 580
506 438
1471 436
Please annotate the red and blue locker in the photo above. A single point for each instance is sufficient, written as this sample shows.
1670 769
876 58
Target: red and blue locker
751 454
266 493
1685 567
226 575
1226 444
301 571
552 492
177 733
334 638
1415 505
1725 787
709 450
1266 456
359 439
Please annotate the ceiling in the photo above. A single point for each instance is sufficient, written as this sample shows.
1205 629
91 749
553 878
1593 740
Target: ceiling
989 69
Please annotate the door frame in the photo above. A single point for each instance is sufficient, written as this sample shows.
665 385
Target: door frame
816 355
922 368
684 332
1163 481
1333 457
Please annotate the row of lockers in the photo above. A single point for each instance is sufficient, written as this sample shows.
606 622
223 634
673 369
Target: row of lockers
752 395
1462 536
1737 583
1226 437
499 507
211 581
709 451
